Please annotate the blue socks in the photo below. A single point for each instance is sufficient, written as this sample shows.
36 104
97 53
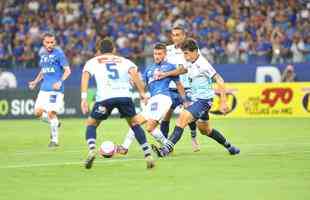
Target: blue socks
140 137
91 137
217 136
192 126
164 128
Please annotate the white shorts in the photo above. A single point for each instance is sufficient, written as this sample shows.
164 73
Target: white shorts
157 107
50 101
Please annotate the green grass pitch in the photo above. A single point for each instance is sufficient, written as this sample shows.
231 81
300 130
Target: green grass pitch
274 164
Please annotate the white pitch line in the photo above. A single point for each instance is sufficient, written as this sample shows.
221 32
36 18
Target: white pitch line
180 156
79 150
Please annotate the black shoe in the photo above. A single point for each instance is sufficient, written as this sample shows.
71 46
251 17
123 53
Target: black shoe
156 150
90 159
53 144
233 150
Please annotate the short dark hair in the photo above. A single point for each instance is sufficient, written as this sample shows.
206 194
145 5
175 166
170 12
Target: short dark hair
189 45
160 46
106 45
48 34
178 28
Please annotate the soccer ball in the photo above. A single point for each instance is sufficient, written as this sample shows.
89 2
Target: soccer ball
107 149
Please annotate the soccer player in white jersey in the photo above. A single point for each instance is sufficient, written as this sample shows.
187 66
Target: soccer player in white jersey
54 70
175 56
112 74
201 75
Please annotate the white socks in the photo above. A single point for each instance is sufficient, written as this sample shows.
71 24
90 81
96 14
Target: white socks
128 139
44 117
156 133
54 129
159 137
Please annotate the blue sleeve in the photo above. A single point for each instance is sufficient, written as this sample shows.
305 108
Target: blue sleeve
63 61
144 76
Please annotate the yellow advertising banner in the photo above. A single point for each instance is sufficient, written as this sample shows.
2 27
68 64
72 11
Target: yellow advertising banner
266 100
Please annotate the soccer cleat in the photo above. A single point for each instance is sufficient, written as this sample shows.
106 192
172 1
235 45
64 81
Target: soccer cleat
53 144
121 150
156 150
233 150
161 152
150 163
195 145
90 159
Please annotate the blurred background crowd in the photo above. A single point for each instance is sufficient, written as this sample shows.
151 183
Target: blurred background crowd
228 31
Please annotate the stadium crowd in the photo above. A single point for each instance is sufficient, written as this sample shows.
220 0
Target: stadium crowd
228 31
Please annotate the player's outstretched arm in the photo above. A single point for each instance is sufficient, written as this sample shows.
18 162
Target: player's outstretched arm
84 88
33 84
222 90
135 77
181 91
176 72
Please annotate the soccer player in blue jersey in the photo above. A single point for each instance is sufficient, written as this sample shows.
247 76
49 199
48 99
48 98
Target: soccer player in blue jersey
201 75
54 71
112 74
160 102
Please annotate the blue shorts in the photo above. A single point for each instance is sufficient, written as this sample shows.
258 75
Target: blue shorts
200 109
102 110
177 99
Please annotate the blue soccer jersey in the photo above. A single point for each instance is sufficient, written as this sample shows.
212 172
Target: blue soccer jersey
52 66
159 86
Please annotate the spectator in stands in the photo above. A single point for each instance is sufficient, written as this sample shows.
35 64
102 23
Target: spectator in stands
298 48
7 80
214 22
288 74
307 48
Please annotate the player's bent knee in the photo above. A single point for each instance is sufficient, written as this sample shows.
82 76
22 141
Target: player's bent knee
150 126
52 114
184 119
38 112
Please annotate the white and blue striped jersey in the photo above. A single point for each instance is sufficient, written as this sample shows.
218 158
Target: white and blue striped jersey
111 76
200 74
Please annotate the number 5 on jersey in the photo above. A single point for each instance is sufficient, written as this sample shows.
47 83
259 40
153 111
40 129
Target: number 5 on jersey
112 71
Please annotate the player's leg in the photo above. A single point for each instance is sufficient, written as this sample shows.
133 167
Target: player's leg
183 120
195 144
192 125
101 111
206 129
156 110
54 123
55 105
130 136
127 110
176 101
40 106
164 125
90 136
151 125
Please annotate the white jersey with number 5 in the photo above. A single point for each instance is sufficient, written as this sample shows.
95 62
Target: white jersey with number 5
111 75
200 74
